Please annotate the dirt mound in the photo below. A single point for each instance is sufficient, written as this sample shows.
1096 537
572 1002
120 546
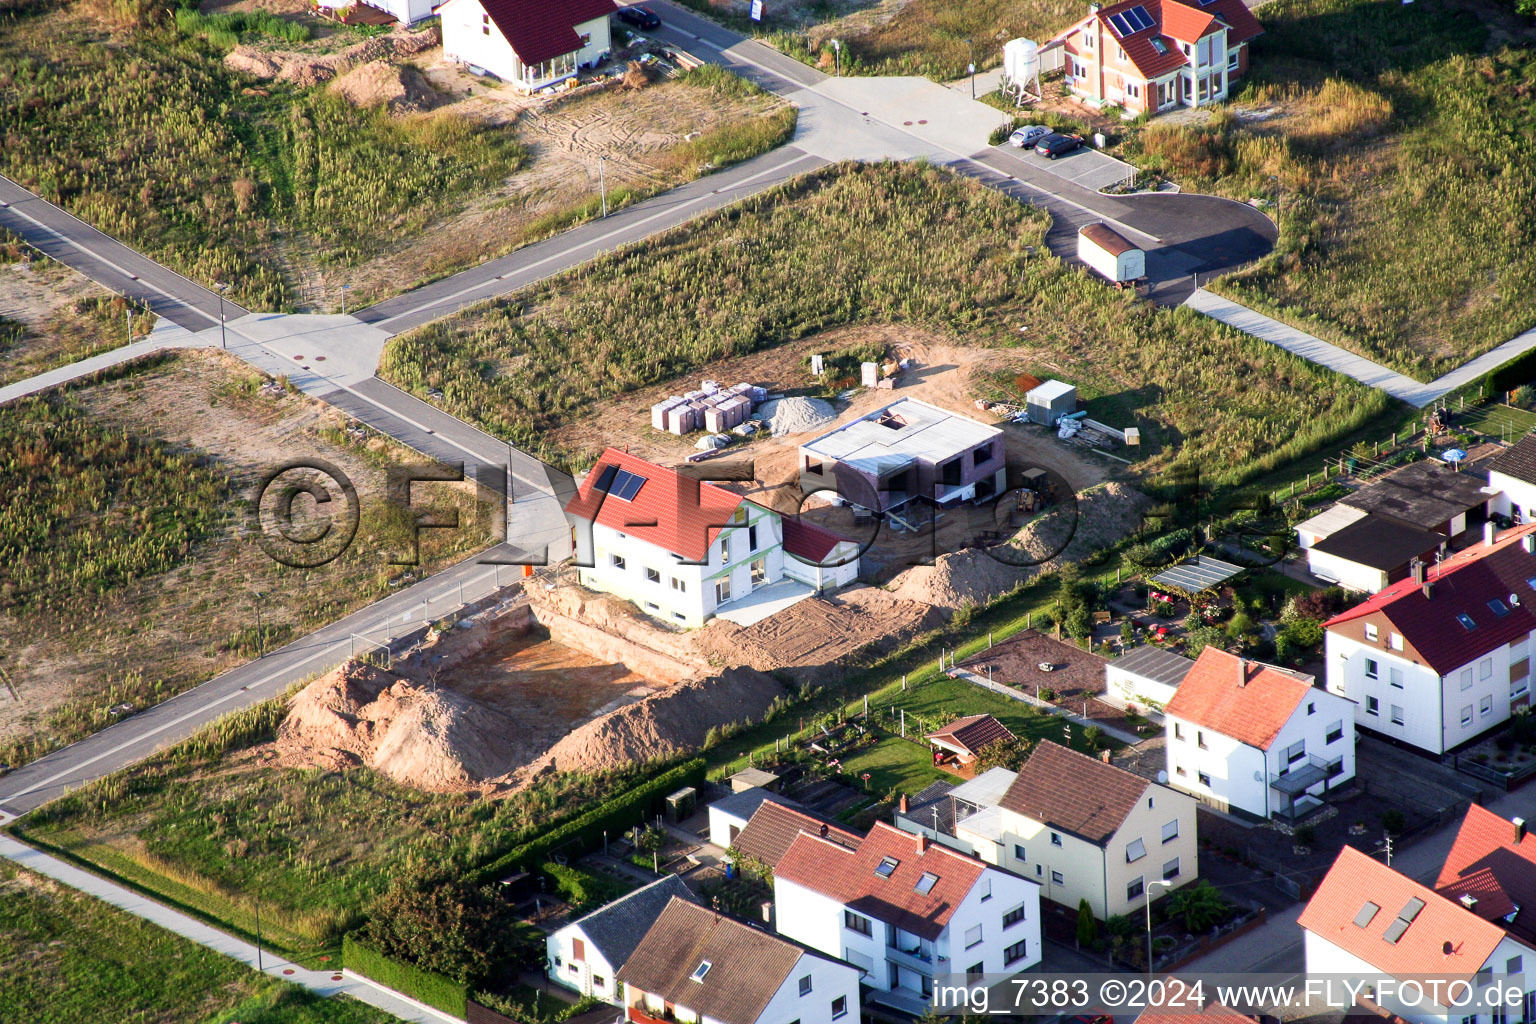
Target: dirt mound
795 415
402 89
1102 516
665 724
427 738
307 69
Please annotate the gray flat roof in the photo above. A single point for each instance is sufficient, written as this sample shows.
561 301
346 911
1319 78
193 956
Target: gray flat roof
1199 573
1423 494
1049 391
1156 664
898 435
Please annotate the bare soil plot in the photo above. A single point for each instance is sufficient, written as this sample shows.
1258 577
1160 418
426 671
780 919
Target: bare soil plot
50 316
144 639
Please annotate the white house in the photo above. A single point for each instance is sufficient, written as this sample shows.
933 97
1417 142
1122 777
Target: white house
685 550
1145 678
1246 736
1439 658
1513 475
407 12
905 910
696 964
730 814
585 955
529 43
1086 830
1368 923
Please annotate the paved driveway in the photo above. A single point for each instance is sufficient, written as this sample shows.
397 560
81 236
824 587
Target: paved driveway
1086 166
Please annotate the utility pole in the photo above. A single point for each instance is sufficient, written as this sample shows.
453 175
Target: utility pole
602 183
261 638
219 286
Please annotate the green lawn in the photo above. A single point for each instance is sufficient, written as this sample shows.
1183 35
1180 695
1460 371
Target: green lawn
1498 420
66 958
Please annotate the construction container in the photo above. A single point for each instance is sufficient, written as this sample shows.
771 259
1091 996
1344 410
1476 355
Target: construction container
1111 254
1049 402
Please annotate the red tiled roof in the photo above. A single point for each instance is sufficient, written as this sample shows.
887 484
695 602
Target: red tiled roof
1246 700
1186 23
1074 792
1139 48
811 542
1489 863
1462 584
1241 23
1210 1013
973 732
1357 878
671 510
848 876
540 30
772 829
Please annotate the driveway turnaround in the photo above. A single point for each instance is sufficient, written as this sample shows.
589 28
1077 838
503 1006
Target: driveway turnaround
321 982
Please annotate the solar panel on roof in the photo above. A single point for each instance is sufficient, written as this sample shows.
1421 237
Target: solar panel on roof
605 475
626 485
1121 26
1367 914
1138 19
1411 909
1395 930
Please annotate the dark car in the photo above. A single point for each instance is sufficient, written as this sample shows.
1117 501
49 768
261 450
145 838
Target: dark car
1055 144
639 17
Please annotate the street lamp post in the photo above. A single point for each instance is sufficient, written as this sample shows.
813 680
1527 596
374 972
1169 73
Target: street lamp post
344 299
261 637
837 55
1165 885
219 286
971 67
602 183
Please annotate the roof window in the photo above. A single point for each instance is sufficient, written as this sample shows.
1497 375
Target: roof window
1465 620
886 867
1499 607
700 971
926 883
1367 914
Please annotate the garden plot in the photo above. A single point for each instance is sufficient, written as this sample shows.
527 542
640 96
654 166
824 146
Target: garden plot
130 574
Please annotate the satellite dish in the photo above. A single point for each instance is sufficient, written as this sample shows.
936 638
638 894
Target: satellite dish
1162 778
1514 600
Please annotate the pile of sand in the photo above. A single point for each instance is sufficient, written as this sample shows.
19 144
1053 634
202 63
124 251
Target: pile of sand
400 88
664 724
427 738
1103 516
308 69
795 415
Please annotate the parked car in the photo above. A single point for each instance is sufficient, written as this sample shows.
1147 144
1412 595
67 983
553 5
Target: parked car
1027 136
1055 144
639 17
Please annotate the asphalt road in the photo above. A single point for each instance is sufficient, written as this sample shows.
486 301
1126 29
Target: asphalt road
109 262
139 736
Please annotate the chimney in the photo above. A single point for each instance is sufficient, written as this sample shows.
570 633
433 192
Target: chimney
905 805
1429 590
1093 8
922 842
1519 824
823 831
1416 568
1104 756
1489 531
1242 672
1528 542
1469 901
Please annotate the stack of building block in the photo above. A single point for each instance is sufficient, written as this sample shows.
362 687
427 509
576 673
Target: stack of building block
711 408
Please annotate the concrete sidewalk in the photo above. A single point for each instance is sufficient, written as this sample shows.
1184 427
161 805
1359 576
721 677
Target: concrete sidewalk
321 982
166 335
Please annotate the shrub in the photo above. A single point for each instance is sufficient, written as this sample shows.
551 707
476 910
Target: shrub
433 989
461 932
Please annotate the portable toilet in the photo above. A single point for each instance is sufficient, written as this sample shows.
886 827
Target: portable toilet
1049 402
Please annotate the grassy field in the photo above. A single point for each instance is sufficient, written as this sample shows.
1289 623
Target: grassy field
66 957
145 134
131 120
128 571
1395 138
932 250
215 824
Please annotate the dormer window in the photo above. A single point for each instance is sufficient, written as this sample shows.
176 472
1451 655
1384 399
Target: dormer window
700 971
886 867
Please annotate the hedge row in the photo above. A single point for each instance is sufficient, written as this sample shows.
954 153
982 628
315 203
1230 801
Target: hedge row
584 834
433 989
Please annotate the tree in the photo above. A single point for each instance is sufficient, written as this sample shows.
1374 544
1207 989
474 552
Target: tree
1127 633
1198 639
1087 927
466 933
1302 633
1201 906
1091 737
1010 754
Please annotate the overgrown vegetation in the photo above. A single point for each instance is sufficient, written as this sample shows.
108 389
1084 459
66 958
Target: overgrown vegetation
89 508
1394 139
67 957
146 135
891 242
